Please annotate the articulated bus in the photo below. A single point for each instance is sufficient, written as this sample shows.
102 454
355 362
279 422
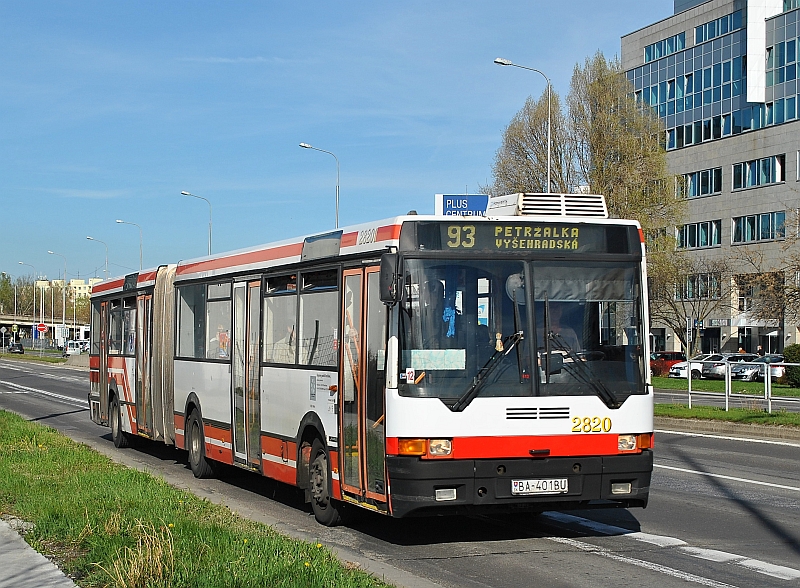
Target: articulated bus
413 366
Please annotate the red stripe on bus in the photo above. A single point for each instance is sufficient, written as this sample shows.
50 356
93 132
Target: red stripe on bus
94 362
215 451
349 239
146 277
106 286
242 259
521 446
180 423
388 233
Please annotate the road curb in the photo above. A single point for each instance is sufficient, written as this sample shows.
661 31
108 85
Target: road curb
726 428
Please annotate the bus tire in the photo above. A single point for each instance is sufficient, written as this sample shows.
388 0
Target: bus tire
121 438
196 444
319 485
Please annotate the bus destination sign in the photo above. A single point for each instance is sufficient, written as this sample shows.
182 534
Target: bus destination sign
512 237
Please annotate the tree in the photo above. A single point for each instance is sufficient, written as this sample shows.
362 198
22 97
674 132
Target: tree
520 164
606 141
688 286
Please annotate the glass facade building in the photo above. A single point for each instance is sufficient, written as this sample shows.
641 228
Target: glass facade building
723 75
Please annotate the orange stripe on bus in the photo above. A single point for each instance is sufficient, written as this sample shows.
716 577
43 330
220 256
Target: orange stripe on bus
242 259
521 446
349 239
388 233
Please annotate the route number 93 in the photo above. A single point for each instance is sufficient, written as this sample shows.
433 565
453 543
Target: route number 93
461 236
591 425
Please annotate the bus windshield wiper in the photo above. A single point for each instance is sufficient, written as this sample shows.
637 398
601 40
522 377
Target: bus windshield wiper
483 374
577 369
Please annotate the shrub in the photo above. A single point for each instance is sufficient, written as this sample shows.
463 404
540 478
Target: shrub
791 354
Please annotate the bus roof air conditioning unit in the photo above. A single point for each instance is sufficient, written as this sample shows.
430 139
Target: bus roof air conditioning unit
561 205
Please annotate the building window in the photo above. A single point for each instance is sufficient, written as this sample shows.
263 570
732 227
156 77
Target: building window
699 286
665 47
698 235
767 226
715 28
701 183
759 172
790 5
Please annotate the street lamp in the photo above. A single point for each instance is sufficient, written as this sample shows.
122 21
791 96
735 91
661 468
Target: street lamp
122 222
501 61
63 291
106 246
184 193
307 146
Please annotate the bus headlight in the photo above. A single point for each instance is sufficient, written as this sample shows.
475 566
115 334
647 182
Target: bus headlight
440 447
626 442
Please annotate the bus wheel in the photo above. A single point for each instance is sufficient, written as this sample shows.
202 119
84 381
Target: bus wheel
120 438
322 504
196 444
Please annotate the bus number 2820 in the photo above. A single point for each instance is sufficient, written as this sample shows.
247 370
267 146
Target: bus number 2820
591 425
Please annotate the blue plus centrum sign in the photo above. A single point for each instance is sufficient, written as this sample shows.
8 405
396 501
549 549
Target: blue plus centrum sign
461 204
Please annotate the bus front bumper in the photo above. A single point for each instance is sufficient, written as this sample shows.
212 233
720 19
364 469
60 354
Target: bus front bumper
486 484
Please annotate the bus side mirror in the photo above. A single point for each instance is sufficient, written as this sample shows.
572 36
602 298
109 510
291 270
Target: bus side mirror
390 285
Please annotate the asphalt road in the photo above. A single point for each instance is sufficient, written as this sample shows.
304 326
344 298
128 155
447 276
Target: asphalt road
723 512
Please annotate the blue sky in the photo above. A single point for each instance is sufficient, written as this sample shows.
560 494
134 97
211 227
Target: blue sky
108 110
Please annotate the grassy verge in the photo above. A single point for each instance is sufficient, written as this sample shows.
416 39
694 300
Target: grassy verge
107 525
735 415
31 355
753 388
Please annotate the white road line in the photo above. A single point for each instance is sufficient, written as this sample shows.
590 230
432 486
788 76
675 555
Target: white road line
641 563
714 555
605 529
67 399
710 475
763 441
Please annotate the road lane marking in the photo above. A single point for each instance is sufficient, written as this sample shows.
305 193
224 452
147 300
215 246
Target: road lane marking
763 441
776 571
68 399
654 567
710 475
660 540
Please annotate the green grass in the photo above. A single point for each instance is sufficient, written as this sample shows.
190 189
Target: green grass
108 525
735 415
738 387
34 355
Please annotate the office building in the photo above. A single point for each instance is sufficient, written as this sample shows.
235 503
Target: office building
723 77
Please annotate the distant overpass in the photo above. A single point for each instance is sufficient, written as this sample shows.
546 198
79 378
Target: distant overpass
26 322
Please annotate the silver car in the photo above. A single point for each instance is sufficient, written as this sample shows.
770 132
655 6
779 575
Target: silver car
755 371
714 365
679 369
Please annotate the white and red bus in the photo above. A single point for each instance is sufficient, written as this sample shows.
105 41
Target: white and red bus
415 365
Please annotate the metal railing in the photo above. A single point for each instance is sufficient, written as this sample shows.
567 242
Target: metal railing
729 394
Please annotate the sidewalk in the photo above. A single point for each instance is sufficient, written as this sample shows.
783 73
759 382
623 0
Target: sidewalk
22 567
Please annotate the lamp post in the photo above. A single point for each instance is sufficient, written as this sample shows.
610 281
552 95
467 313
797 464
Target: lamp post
501 61
307 146
184 193
106 246
122 222
63 292
34 290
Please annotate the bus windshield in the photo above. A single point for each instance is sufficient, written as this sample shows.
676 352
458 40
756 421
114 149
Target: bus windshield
466 324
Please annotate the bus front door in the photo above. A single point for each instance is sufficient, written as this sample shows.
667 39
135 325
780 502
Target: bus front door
363 382
245 371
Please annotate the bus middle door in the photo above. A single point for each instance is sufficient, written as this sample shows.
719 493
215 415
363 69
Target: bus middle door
246 369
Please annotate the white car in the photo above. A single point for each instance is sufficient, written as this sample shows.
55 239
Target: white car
679 369
72 348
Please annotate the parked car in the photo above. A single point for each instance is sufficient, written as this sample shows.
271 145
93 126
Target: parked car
72 348
678 370
755 371
714 365
661 361
16 348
